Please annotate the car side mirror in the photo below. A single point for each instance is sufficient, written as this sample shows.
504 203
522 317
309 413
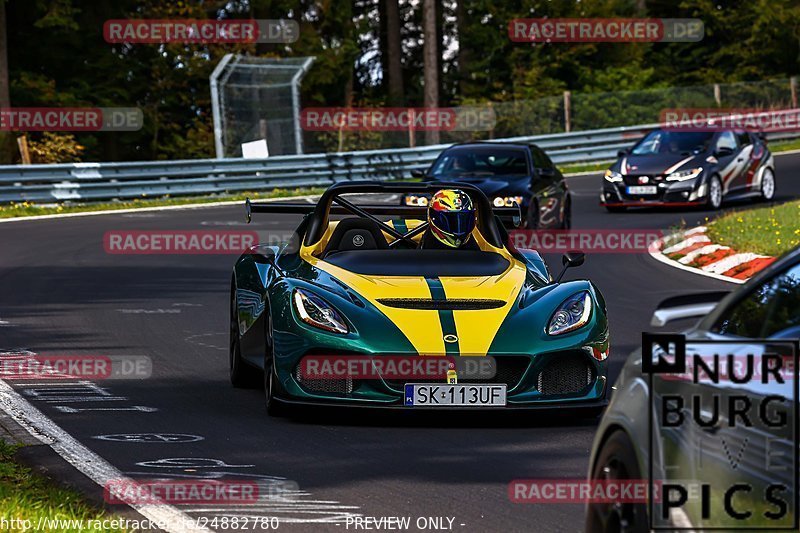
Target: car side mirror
723 152
686 306
417 173
261 255
622 153
571 259
762 137
546 172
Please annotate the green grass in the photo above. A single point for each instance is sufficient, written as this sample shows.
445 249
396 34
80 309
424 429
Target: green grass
26 209
25 495
766 230
575 168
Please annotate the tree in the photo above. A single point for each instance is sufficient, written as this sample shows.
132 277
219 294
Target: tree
431 64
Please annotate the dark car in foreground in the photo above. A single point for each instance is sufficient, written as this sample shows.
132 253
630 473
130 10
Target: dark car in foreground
509 174
689 168
743 453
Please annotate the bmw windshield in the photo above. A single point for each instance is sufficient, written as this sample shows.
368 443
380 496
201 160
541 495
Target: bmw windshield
488 162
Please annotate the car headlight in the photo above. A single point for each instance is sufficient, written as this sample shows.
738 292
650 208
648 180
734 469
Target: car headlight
316 312
573 313
417 201
684 175
613 177
507 201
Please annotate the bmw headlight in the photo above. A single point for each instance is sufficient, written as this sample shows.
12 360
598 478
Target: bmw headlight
316 312
507 201
417 201
572 314
684 175
613 177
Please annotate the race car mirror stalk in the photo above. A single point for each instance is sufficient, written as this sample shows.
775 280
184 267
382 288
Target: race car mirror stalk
571 259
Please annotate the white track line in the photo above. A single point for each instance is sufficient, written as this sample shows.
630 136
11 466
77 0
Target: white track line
167 517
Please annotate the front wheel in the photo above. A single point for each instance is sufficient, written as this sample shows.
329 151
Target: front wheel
532 216
242 375
767 185
714 200
616 463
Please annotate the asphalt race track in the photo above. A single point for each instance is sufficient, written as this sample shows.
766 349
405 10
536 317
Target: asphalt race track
63 294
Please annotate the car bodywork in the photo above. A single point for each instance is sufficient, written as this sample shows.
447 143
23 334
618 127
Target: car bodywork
681 177
530 177
630 404
400 301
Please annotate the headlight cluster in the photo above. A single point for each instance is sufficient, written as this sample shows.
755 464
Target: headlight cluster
417 201
316 312
573 313
613 177
507 201
684 175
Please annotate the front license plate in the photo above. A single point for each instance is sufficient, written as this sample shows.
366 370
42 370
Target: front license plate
642 189
454 395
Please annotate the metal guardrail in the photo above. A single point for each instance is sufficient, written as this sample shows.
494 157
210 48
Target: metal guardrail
106 181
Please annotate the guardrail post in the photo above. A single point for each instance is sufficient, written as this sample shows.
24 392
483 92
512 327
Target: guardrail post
717 95
567 111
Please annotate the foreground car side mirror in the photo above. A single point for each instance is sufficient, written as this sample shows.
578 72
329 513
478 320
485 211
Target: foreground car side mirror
688 306
569 260
417 173
622 153
723 152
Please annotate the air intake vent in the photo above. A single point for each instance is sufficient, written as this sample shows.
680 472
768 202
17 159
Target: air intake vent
450 304
336 386
566 374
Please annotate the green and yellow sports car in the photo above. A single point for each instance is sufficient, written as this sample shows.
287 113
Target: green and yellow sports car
357 310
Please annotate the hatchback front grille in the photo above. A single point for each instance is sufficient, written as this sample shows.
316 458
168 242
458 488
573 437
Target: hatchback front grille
450 304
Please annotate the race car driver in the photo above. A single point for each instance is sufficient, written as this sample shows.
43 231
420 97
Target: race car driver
451 219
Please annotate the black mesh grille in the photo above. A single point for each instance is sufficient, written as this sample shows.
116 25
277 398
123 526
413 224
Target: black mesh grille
450 304
565 374
339 386
510 369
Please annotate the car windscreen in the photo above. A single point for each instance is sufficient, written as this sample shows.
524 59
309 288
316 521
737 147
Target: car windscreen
476 162
673 142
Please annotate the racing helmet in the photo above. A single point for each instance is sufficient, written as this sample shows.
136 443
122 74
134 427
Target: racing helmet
451 217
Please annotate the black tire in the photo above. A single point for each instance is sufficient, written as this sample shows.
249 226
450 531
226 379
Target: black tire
714 200
616 460
566 222
274 407
532 216
616 208
243 376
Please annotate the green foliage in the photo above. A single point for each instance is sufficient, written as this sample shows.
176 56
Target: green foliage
55 148
58 57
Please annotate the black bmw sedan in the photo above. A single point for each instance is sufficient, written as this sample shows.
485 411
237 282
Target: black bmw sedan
509 174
